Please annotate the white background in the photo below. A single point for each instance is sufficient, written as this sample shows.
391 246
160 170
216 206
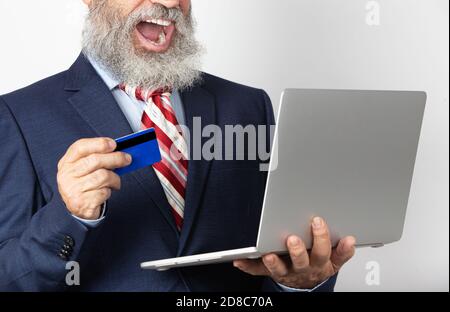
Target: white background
299 43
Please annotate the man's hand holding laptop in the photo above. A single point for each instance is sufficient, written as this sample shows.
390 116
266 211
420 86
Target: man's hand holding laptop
300 269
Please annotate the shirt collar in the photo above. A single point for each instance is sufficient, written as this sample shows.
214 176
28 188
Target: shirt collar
106 76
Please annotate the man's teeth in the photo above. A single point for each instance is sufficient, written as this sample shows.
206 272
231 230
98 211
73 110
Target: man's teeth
162 38
160 22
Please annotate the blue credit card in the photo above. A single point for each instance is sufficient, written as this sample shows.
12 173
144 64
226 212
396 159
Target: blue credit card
142 146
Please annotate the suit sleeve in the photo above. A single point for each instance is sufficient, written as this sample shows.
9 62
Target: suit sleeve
269 284
37 238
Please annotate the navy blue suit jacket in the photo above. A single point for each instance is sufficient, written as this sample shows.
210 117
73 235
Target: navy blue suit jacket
223 200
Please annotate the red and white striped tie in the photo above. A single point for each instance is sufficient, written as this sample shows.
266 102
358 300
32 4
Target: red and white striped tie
172 169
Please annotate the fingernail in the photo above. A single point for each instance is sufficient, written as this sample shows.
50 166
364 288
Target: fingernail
294 241
128 158
112 144
317 222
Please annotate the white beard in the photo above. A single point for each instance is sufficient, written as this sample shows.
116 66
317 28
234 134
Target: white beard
108 40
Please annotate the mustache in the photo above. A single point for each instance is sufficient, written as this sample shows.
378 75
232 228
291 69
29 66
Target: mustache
157 11
101 12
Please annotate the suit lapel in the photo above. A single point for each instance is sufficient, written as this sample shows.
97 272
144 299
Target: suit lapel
197 103
95 103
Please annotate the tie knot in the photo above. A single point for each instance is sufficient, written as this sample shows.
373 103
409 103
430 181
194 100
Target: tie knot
145 94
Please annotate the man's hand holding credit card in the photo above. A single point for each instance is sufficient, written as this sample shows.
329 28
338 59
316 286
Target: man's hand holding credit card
91 168
143 148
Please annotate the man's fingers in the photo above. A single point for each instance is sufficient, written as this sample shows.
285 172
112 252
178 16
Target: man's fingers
87 205
98 197
100 179
343 252
275 265
297 252
94 162
253 267
86 147
321 250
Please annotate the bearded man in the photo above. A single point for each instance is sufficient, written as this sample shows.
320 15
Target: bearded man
62 205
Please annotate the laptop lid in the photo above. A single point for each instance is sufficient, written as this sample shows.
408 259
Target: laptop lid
347 156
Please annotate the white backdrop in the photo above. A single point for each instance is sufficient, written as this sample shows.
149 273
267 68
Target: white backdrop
299 43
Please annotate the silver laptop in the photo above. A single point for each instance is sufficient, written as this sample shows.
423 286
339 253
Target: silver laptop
347 156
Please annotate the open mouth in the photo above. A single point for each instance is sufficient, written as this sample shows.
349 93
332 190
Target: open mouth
155 34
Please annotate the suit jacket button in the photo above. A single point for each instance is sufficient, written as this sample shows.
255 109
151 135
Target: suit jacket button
69 241
67 247
63 256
